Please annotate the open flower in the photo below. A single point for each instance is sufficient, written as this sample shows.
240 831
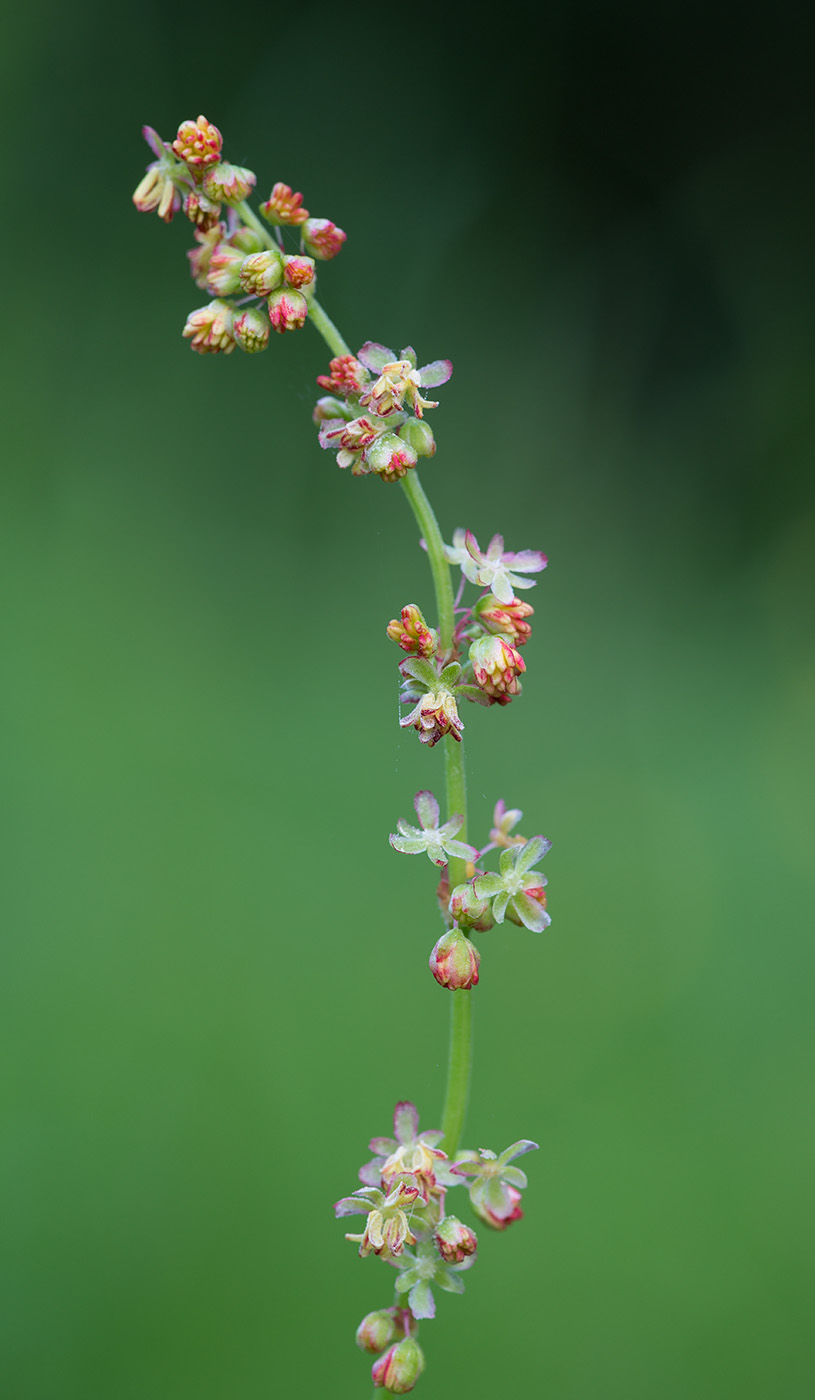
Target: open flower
503 820
494 569
210 329
407 1151
495 1192
511 888
437 841
496 668
506 619
399 379
387 1228
160 189
353 440
419 1271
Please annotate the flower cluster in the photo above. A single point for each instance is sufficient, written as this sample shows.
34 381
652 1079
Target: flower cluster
235 256
407 1224
516 891
375 424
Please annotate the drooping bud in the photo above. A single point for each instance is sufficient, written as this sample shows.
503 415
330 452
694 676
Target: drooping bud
198 143
420 436
348 377
412 633
298 271
508 1212
323 239
469 911
288 310
454 961
390 457
251 330
223 272
496 667
210 329
262 272
229 183
508 619
454 1241
378 1330
400 1368
329 409
201 211
284 207
435 715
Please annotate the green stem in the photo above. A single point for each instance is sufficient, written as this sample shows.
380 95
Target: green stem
461 1010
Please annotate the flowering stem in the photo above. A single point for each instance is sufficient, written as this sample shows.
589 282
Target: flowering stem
461 1010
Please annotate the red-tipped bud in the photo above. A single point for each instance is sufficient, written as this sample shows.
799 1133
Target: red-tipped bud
210 329
511 1205
400 1368
298 271
378 1330
228 183
251 330
198 143
223 273
347 377
496 667
412 633
454 1241
469 911
419 435
201 211
284 207
323 239
288 310
390 457
454 961
262 272
509 619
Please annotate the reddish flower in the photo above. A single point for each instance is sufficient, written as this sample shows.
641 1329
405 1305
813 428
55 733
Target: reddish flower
284 207
348 377
198 143
323 239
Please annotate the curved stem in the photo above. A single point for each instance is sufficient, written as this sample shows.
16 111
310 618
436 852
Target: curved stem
461 1011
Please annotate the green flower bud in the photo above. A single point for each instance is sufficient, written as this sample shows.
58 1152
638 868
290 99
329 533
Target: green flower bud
378 1330
400 1368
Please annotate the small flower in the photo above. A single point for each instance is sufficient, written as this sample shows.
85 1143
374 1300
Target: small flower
494 569
419 1271
353 439
496 667
228 183
511 887
454 1241
298 271
454 961
435 715
223 272
387 1228
408 1151
413 634
347 377
390 457
378 1330
251 330
400 379
198 143
468 911
210 329
201 211
261 273
400 1368
437 841
288 310
322 238
200 257
503 820
283 207
160 187
496 1191
506 619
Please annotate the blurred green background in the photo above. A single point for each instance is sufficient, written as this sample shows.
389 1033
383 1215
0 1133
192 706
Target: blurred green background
215 980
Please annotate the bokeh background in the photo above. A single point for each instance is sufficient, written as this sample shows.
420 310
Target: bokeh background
215 979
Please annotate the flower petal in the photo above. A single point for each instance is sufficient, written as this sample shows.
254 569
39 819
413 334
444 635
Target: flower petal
513 1176
427 809
431 1137
437 372
371 1174
527 561
488 885
531 853
349 1206
471 546
408 845
452 826
405 1121
383 1147
461 850
421 1301
375 356
502 588
518 1149
450 1282
499 906
531 913
507 859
